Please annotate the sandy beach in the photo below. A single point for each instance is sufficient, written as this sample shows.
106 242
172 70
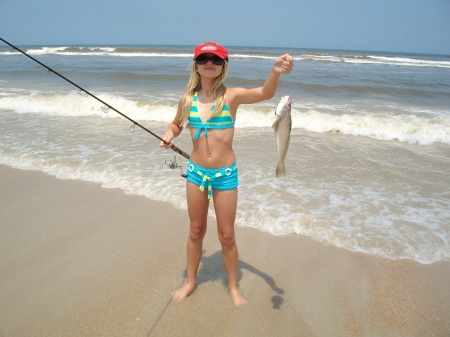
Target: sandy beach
80 260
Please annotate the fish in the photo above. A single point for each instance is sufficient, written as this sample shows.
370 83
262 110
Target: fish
282 126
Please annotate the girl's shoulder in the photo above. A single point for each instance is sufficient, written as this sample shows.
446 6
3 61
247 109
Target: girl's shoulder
232 93
232 98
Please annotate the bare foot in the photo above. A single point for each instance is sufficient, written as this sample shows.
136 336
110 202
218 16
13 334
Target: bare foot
237 297
180 294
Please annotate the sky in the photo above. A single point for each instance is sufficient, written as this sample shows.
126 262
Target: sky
410 26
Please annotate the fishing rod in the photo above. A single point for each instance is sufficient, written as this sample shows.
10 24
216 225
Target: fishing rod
171 163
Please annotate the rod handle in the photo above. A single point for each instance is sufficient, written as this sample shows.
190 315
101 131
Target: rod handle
180 152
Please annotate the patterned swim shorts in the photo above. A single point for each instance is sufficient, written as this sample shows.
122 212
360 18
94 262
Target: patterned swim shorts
225 178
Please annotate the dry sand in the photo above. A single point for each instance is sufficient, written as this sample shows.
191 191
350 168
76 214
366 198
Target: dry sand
80 260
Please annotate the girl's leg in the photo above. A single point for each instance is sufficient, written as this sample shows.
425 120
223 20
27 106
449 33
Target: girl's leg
198 203
225 203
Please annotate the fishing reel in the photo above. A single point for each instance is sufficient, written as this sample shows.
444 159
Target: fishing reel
172 164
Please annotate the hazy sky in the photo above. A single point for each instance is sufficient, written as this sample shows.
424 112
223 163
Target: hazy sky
421 26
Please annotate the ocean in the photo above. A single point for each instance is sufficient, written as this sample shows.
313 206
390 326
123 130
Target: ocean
367 167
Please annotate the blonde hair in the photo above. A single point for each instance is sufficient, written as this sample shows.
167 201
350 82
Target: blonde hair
195 85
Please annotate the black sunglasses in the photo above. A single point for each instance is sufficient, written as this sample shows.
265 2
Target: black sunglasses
203 59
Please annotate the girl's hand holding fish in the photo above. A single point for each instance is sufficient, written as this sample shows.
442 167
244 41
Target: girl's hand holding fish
284 64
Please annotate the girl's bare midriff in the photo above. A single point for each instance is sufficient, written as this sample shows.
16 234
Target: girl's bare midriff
216 151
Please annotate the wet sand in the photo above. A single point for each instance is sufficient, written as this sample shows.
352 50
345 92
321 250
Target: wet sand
80 260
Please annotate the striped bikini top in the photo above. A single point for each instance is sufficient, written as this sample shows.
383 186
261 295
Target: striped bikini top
224 120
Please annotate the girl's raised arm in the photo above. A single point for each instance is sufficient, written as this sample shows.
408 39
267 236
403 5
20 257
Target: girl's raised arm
236 96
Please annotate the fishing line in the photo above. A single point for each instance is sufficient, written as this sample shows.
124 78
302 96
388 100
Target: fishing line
283 80
106 106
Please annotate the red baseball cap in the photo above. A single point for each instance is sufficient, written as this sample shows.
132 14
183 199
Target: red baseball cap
211 47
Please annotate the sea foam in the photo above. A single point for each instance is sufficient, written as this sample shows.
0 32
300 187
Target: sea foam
407 128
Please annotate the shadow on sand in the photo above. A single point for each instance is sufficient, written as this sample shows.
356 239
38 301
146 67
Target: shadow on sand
212 269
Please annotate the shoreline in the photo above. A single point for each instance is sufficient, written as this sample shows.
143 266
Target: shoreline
77 259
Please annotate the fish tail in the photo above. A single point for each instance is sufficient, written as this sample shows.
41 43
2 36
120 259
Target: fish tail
281 171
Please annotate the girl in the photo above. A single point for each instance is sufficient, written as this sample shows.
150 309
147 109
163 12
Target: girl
209 109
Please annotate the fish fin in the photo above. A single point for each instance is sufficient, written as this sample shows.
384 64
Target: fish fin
275 126
276 123
281 171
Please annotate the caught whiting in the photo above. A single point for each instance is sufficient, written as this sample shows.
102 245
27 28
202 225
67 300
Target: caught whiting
282 126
